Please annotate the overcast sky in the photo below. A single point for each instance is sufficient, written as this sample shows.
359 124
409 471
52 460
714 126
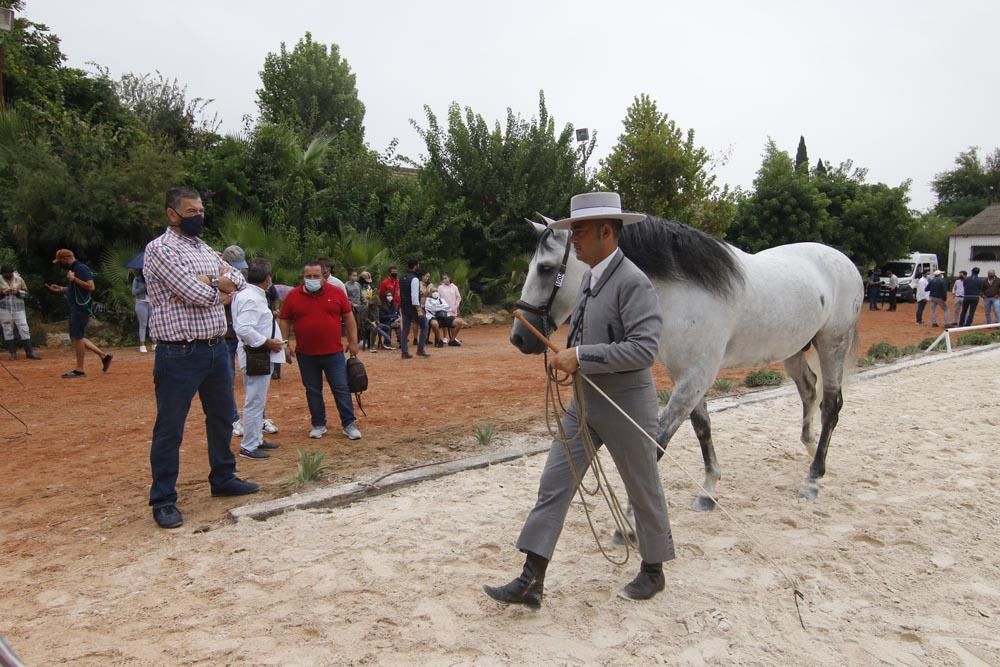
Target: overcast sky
898 87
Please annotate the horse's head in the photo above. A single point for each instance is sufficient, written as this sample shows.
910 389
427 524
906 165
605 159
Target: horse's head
546 298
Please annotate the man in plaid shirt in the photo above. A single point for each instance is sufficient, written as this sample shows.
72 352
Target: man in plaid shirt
188 284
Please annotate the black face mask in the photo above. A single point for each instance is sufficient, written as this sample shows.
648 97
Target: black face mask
193 225
393 274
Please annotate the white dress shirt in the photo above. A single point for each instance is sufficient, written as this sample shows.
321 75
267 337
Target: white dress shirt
252 322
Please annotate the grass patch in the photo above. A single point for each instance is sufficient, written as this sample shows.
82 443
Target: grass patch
764 378
883 351
723 386
909 350
865 362
975 338
664 396
926 343
309 469
484 434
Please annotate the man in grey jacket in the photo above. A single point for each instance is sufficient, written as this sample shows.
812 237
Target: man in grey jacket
614 336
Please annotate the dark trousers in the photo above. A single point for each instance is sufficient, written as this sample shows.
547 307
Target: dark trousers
232 344
920 310
312 368
968 311
179 372
892 299
413 316
873 298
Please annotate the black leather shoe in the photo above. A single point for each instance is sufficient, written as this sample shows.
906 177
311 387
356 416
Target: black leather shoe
235 487
266 444
168 516
527 588
255 454
646 584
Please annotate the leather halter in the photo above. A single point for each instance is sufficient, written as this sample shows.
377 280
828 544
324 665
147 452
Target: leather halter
543 311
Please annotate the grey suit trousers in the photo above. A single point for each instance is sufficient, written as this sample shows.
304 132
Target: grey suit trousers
634 456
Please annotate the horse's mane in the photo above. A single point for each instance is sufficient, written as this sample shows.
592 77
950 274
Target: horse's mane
670 251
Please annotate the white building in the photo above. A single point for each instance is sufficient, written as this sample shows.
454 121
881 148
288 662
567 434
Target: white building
976 242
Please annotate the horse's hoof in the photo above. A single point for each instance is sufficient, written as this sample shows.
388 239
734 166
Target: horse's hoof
809 490
703 504
619 539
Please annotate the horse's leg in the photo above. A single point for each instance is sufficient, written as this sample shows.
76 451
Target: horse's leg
805 381
703 429
832 356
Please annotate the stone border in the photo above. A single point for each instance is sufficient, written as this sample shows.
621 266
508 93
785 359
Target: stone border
524 447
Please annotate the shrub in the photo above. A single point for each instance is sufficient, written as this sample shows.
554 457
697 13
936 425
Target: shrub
865 362
975 338
310 466
926 343
484 434
909 350
664 396
884 351
764 378
723 386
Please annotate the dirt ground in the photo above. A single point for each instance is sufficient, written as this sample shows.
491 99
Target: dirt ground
86 577
76 483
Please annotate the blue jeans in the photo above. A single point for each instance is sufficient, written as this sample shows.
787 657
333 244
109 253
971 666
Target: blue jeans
233 344
992 306
179 372
312 368
404 338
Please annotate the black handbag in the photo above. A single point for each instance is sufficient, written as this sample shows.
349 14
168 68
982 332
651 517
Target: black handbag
259 358
357 380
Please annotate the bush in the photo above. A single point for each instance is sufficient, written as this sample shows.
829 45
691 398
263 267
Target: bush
664 396
723 386
975 338
909 350
883 351
484 434
764 378
865 362
926 343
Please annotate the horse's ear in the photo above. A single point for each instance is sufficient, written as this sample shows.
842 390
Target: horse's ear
539 228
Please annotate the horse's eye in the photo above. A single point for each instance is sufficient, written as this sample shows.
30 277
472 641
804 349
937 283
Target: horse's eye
543 268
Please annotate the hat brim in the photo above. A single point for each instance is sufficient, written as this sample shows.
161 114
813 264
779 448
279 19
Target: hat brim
626 219
240 264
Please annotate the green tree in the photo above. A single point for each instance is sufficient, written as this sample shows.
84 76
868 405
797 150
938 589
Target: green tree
481 181
970 187
657 168
931 233
784 207
802 157
164 109
311 88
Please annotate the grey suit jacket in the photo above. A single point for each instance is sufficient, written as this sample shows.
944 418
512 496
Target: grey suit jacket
621 321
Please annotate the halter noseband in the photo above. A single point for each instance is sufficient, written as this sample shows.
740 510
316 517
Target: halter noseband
543 311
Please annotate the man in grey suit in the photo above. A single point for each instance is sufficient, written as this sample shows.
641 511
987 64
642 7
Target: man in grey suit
614 336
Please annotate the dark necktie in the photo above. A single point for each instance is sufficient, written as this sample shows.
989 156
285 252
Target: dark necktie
576 329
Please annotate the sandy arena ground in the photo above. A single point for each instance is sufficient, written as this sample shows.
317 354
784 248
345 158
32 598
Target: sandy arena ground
897 558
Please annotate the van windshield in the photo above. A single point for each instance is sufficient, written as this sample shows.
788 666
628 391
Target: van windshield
900 269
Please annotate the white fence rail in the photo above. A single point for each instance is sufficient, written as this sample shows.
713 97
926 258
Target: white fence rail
946 334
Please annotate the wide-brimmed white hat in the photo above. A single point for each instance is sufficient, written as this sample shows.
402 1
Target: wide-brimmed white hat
596 206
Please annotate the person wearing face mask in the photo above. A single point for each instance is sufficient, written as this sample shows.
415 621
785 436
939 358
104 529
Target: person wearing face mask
437 310
79 292
254 325
388 321
13 291
390 286
314 310
450 293
188 284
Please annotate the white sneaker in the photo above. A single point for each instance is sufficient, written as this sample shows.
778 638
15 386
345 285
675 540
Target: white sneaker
445 340
142 348
269 427
238 428
317 432
352 431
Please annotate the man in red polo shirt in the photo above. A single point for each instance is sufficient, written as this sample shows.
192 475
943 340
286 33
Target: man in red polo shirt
314 310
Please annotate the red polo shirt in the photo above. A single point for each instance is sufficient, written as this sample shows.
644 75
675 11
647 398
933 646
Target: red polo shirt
390 285
316 318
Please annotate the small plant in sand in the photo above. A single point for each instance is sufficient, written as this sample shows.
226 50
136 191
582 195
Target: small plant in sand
976 338
909 350
485 433
664 396
723 386
926 342
865 362
764 378
883 351
310 467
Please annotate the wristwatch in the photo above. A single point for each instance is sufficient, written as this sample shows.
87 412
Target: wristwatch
214 280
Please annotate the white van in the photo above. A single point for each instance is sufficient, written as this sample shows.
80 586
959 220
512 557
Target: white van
908 270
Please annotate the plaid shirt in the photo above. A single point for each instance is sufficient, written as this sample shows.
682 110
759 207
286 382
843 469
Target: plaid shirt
183 307
13 303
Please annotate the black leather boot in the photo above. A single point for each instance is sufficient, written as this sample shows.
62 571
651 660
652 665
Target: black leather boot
12 348
29 351
527 588
646 584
